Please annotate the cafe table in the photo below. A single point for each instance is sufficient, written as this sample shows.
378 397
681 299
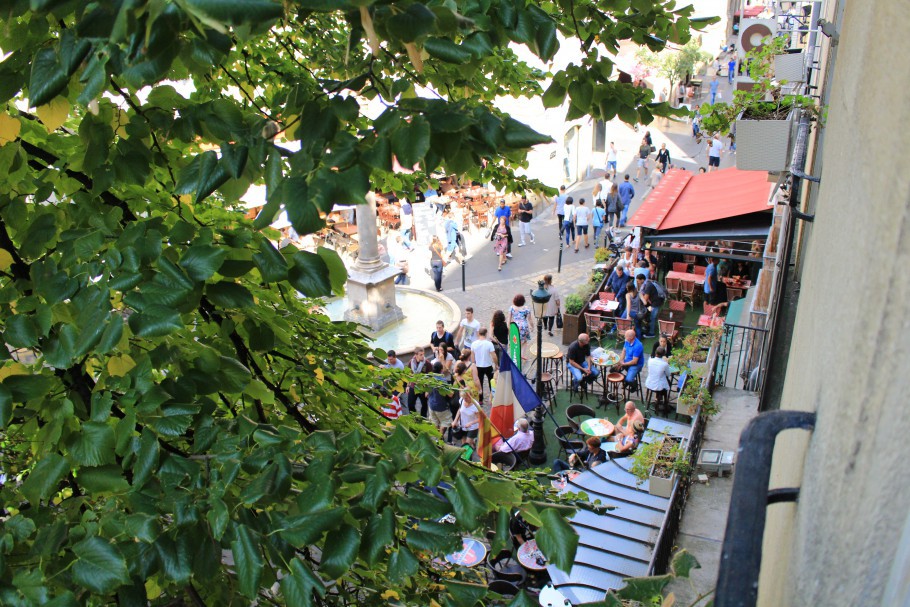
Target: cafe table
604 306
603 364
597 427
472 553
530 556
699 279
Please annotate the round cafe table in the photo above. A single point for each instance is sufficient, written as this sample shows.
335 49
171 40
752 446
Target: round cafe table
549 350
597 427
471 554
531 557
551 357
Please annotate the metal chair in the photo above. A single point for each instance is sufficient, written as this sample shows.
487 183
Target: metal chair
677 305
566 444
623 325
606 296
579 388
573 412
699 270
547 389
689 259
679 266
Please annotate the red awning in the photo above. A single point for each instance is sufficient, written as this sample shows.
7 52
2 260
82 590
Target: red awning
684 198
750 11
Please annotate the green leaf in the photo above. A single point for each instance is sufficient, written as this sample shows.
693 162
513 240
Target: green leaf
155 321
521 136
102 479
377 486
339 551
27 387
554 95
478 44
112 334
522 599
306 529
93 445
236 12
378 534
271 263
557 539
419 503
202 261
99 566
310 275
48 78
298 586
582 93
445 49
402 565
412 23
644 589
547 43
468 505
20 332
248 561
226 294
464 593
42 481
146 458
683 562
411 142
6 406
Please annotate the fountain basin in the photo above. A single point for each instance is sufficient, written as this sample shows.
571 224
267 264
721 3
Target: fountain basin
421 311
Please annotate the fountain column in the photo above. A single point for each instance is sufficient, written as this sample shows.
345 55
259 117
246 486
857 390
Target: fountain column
371 281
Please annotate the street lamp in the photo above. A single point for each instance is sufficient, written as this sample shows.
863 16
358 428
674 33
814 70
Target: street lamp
540 297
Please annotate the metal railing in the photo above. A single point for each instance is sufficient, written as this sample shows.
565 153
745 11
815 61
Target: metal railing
742 358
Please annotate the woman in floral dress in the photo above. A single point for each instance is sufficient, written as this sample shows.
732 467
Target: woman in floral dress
522 316
501 241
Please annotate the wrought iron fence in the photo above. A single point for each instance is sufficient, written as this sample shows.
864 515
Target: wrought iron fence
742 358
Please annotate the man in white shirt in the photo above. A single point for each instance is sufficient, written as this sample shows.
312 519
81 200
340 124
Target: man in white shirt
714 151
602 188
611 163
658 380
467 329
483 353
582 219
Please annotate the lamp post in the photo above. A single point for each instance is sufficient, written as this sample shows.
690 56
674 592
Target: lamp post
538 455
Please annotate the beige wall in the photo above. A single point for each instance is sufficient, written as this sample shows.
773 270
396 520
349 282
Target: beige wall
850 354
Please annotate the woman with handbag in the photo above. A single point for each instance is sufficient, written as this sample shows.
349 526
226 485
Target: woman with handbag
614 206
551 313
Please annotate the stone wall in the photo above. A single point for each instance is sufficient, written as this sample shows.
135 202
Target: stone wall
850 352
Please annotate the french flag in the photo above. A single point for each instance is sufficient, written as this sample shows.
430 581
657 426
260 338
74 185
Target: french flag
514 396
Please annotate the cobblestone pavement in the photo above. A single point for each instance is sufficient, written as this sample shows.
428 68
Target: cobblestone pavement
487 289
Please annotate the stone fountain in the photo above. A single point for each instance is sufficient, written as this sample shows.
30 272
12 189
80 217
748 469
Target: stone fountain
371 281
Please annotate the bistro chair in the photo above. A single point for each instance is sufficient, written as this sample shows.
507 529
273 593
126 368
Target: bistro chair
689 259
669 329
699 270
679 266
574 412
504 460
687 291
596 325
709 309
567 445
623 325
672 288
606 296
677 305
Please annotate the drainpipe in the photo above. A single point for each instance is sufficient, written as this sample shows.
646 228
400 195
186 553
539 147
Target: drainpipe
797 175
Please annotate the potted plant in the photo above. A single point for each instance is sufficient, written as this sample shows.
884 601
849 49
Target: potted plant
696 393
660 463
761 118
573 318
790 65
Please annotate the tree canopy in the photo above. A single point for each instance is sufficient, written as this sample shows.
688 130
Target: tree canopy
178 422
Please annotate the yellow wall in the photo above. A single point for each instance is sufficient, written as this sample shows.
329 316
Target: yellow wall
850 354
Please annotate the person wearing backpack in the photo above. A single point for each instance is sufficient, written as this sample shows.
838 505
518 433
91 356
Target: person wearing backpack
652 295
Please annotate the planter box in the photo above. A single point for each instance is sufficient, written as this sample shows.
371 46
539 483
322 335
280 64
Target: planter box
572 325
764 145
790 67
683 408
661 487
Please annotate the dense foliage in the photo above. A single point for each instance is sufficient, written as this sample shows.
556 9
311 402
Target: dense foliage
179 423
